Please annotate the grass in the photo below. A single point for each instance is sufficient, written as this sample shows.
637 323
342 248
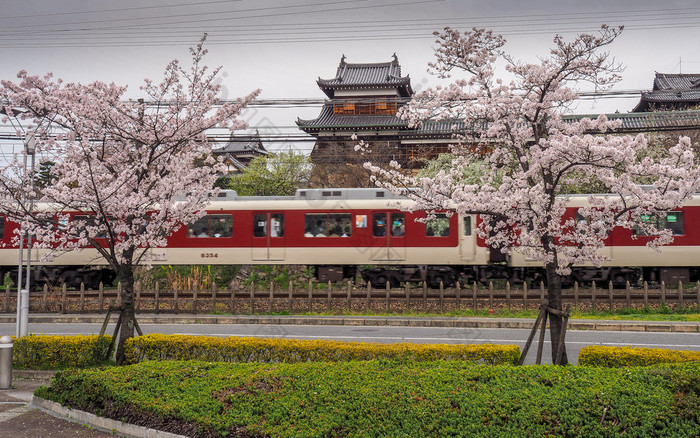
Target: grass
688 314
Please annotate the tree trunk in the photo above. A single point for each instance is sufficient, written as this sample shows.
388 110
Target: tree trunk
555 302
126 277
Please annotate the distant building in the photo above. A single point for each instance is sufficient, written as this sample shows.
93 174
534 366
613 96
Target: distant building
678 91
364 100
240 151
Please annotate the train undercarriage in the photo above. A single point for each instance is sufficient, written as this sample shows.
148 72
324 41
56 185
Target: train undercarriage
396 275
379 276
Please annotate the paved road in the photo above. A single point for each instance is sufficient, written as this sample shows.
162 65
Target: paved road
576 339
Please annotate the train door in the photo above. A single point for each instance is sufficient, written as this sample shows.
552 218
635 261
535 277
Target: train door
388 236
268 236
467 238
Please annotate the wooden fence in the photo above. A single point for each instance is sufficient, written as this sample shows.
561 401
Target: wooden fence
331 299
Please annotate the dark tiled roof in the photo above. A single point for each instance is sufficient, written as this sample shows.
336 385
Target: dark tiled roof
328 120
652 121
631 123
239 144
671 89
359 76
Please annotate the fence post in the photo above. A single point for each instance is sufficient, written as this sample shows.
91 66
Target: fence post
7 299
663 293
369 295
45 305
328 300
195 293
119 294
627 295
575 295
442 297
101 296
407 291
425 296
157 298
252 297
459 296
213 297
680 294
176 300
525 295
593 297
63 298
646 294
82 297
272 292
310 303
610 296
388 296
490 294
474 296
349 297
697 294
291 297
232 302
508 295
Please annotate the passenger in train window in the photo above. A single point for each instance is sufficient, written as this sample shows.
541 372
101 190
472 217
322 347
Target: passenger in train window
346 232
320 228
190 233
397 228
203 233
379 228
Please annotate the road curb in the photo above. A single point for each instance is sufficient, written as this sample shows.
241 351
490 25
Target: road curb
105 424
394 321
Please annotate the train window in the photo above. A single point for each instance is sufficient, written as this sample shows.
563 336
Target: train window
379 224
673 221
212 225
2 227
88 221
467 225
260 225
327 225
398 226
439 226
277 225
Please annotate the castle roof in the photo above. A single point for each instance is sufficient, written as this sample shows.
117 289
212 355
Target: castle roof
671 89
367 76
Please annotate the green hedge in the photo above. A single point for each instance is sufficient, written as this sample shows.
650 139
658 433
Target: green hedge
595 355
235 349
390 399
56 352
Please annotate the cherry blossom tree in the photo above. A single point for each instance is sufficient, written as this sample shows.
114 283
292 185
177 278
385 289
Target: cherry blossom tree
131 172
530 156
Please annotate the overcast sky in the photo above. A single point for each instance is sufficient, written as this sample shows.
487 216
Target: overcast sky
282 47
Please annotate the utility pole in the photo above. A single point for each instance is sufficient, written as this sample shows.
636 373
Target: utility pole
23 294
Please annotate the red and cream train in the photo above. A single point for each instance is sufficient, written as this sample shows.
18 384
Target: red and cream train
339 231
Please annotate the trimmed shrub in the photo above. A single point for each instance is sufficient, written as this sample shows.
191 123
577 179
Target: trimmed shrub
235 349
56 352
595 355
389 399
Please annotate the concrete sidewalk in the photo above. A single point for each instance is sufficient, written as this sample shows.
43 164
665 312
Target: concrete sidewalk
19 418
407 321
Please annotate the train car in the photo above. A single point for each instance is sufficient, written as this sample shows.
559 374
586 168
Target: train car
339 231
